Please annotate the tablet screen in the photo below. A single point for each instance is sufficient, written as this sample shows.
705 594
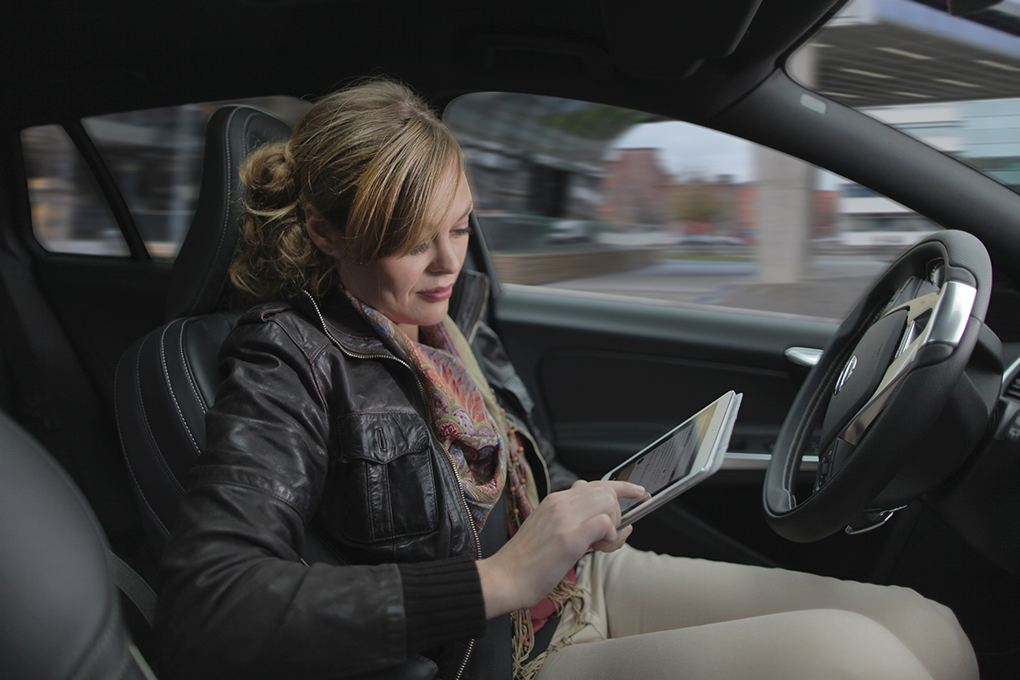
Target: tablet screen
669 461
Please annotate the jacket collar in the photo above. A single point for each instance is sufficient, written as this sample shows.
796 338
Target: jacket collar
349 329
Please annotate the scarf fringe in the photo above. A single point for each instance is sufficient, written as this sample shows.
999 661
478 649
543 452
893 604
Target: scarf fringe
566 592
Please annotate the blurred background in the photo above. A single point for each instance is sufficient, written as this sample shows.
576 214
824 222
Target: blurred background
596 200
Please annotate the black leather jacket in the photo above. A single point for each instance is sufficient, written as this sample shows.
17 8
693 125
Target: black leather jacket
320 436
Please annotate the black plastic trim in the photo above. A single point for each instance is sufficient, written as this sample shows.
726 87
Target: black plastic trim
110 190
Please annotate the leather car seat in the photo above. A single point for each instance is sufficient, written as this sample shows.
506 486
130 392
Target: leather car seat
61 613
168 379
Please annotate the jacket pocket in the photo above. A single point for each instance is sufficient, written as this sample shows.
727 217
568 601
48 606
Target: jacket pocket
386 478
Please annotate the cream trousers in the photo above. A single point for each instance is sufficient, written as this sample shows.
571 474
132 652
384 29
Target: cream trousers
649 616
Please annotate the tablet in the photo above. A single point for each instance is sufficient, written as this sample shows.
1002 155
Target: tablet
686 455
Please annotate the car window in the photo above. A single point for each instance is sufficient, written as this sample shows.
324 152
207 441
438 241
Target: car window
950 81
155 157
597 200
69 213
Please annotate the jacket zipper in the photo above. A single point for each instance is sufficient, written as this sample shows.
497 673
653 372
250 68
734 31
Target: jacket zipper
432 433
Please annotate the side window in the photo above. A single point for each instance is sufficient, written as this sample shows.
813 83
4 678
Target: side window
155 157
69 214
607 201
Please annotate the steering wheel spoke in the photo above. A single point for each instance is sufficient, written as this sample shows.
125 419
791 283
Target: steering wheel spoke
936 318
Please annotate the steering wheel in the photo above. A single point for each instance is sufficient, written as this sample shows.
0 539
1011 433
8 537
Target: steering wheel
886 394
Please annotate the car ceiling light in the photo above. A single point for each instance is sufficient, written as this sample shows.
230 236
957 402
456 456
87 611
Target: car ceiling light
866 73
915 95
995 64
903 53
960 83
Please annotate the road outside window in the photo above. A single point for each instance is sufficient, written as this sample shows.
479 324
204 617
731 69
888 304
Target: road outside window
69 214
596 200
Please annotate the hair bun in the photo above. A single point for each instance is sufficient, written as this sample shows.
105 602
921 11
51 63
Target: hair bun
268 178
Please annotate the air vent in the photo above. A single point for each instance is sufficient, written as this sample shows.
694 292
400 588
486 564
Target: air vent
1013 391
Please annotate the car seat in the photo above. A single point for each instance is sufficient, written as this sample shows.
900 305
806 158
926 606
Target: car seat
168 379
61 615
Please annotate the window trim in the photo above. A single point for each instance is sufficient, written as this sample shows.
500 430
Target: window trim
108 187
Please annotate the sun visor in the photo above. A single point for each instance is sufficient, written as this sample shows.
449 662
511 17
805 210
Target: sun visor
670 40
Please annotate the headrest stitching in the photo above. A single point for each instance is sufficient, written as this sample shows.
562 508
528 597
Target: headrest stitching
226 215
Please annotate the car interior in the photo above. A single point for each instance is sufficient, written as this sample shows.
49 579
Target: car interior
909 475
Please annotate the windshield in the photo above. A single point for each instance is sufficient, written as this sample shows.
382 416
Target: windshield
950 81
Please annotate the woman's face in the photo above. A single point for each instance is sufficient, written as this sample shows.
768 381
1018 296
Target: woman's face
414 290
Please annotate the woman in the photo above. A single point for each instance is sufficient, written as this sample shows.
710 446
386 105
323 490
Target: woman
355 409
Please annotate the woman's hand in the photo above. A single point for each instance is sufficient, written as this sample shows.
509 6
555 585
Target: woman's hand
562 528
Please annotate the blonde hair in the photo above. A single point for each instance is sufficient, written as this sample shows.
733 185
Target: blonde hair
372 158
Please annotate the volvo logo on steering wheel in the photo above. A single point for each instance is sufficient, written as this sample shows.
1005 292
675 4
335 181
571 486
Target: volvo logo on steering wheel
845 375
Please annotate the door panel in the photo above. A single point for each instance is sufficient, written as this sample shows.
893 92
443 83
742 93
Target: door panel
105 305
609 376
613 375
603 403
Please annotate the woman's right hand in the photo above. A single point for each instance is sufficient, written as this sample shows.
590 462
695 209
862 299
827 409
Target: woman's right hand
564 526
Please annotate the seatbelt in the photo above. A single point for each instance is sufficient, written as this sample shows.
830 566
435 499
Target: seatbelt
143 597
135 589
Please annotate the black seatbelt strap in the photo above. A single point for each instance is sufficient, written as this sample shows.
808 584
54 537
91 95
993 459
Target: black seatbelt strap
135 589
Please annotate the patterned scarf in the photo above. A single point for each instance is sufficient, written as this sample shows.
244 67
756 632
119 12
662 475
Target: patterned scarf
460 418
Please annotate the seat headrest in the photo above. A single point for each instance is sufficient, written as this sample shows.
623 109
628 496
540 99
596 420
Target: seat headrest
199 282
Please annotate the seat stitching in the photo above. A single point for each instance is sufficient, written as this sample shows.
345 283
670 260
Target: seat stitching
227 186
173 396
250 115
150 436
127 458
188 372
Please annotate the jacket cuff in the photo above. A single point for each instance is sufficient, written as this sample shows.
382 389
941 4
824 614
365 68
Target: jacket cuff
442 602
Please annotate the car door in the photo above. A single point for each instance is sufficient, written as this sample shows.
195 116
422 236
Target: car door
661 301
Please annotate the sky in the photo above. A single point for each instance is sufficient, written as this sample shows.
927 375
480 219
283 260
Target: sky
689 151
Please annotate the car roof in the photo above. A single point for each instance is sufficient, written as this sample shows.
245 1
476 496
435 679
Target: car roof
63 60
